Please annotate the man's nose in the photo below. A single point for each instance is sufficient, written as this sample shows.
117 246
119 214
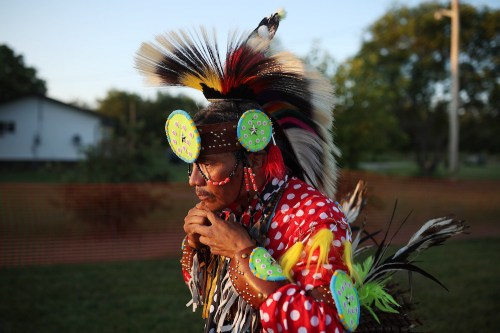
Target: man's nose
196 179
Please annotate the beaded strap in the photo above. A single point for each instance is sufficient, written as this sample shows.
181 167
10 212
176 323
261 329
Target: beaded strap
187 255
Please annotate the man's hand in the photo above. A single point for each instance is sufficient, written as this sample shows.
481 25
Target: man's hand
195 216
224 238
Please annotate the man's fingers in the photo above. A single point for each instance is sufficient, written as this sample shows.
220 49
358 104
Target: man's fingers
201 230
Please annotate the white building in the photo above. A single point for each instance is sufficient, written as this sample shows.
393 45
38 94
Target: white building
38 128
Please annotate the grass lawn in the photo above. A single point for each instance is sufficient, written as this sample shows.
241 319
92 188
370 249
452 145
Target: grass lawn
149 296
143 296
408 167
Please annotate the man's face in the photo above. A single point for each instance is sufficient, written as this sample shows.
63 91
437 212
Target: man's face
218 167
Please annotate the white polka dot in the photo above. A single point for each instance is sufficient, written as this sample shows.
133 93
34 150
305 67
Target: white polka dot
290 291
305 272
269 301
297 186
286 218
290 196
265 317
312 211
285 306
328 320
327 266
285 324
277 296
310 188
271 251
337 330
335 209
314 321
323 216
295 315
304 195
309 287
307 305
274 225
314 258
296 205
308 202
337 243
320 204
333 227
281 246
270 330
284 208
278 235
267 242
302 330
317 276
300 213
280 328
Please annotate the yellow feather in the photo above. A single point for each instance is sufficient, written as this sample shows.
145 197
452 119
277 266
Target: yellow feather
348 261
323 240
193 81
290 258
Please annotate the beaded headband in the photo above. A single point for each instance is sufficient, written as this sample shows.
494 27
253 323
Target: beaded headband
252 132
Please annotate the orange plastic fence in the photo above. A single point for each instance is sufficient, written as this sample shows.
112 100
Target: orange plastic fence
67 223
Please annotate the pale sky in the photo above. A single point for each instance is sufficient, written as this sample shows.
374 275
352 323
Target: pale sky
83 48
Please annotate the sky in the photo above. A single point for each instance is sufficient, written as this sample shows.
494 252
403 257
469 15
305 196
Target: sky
84 48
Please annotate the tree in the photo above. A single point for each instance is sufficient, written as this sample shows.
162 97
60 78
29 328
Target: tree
402 70
17 79
359 131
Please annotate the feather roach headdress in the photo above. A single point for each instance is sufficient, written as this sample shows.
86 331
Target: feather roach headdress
297 99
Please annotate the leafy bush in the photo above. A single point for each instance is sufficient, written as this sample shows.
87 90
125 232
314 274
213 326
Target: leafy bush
115 164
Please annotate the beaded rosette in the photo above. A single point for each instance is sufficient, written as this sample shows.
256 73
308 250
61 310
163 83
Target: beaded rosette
254 130
264 266
183 136
346 300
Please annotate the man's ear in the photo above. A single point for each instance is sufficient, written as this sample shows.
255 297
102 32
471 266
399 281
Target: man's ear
258 160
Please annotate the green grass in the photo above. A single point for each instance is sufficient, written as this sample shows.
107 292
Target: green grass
407 167
470 270
149 296
144 296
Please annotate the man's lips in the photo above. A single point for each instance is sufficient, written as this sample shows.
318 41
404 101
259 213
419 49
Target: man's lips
203 195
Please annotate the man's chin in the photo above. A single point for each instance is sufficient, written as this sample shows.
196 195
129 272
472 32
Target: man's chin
213 206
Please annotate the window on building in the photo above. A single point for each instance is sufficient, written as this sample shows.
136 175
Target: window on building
7 127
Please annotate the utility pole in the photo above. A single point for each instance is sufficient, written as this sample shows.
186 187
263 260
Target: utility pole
453 152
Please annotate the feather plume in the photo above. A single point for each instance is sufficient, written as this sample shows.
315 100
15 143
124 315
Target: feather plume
374 275
433 232
354 202
192 59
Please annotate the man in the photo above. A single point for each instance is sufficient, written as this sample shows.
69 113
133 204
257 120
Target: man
298 213
267 248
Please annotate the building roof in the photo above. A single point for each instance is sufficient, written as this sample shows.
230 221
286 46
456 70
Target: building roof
45 98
